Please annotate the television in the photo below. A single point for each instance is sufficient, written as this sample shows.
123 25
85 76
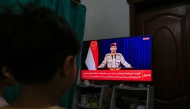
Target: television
117 59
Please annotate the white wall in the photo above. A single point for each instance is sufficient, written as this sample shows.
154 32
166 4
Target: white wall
106 19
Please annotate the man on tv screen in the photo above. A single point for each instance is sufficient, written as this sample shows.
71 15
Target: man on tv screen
114 59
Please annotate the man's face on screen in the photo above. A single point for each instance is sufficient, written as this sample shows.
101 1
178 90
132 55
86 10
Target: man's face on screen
113 49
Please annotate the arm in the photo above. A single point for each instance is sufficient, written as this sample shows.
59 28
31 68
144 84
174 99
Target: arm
103 63
125 63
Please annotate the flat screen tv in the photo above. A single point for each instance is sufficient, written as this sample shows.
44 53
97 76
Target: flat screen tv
120 59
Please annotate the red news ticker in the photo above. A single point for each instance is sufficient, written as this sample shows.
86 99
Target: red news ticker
124 75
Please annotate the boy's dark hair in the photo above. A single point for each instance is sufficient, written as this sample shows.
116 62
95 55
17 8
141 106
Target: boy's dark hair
7 20
37 44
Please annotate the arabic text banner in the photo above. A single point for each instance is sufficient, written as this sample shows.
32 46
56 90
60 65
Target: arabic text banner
123 75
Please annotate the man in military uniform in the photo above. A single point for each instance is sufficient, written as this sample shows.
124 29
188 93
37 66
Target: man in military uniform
114 59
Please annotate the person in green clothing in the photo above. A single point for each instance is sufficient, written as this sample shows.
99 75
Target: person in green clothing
41 55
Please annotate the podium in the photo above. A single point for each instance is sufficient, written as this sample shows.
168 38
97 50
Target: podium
123 68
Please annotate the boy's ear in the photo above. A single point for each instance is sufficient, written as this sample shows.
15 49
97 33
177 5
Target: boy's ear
6 71
68 65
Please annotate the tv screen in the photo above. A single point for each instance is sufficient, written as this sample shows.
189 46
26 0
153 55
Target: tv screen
122 59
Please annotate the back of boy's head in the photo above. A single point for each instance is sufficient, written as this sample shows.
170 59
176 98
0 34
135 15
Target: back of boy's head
7 20
37 44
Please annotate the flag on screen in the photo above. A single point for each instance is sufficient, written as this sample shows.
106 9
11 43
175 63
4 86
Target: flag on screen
92 56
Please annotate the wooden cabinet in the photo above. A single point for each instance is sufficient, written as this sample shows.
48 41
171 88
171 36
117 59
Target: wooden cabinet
169 24
131 95
97 93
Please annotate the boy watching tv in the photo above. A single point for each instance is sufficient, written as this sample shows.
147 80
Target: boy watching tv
6 78
41 55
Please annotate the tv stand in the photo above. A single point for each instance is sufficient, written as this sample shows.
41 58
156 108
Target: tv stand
131 95
124 96
98 93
